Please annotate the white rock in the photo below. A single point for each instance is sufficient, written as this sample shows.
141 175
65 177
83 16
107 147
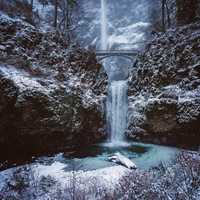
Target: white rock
2 48
121 159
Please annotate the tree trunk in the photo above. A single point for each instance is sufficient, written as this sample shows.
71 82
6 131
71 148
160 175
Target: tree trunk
32 5
168 15
163 15
186 11
2 4
55 13
68 21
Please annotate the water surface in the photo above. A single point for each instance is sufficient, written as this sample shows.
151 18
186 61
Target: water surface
95 157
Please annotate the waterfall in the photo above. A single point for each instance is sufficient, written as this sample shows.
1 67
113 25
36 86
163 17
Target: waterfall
118 109
104 35
117 95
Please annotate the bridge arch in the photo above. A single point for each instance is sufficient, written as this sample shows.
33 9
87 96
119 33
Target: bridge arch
100 58
128 54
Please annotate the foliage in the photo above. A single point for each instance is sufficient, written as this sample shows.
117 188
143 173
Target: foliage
180 181
72 3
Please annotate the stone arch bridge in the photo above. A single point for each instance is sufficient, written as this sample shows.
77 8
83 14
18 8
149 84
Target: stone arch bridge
128 54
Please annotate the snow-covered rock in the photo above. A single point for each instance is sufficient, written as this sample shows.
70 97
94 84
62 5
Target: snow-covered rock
51 94
164 90
121 159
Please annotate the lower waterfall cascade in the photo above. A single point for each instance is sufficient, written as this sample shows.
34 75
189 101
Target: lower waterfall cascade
117 110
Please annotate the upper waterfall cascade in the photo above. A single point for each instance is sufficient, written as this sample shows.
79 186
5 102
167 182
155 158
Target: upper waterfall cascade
104 34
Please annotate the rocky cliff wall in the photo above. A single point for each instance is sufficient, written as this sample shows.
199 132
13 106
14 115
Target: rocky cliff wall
164 90
51 93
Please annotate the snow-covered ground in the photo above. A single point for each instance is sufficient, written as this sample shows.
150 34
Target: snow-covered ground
104 180
107 177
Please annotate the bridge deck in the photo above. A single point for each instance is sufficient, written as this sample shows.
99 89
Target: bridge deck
129 54
116 52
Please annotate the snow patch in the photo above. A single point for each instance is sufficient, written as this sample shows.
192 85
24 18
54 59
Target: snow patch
24 81
107 177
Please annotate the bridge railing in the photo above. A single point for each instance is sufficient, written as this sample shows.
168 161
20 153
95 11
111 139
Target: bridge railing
116 50
120 51
128 54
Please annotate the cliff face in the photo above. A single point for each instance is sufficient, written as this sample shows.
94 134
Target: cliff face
164 91
187 11
50 93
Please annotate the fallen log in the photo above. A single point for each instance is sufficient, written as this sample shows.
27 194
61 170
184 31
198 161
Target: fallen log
122 160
